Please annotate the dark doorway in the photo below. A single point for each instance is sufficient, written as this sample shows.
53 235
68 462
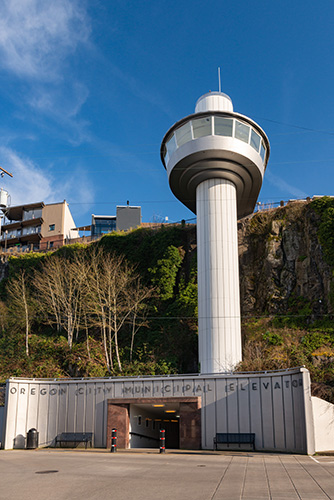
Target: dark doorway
146 421
138 422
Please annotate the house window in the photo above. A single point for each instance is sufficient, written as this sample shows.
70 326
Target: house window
52 227
139 420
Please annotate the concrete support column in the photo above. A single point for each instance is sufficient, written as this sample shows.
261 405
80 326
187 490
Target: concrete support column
218 276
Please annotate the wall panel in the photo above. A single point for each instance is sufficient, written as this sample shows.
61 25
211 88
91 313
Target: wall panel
271 404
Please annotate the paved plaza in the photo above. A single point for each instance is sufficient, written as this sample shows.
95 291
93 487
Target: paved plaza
179 475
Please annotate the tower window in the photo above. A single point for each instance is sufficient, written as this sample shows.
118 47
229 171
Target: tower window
202 127
241 131
171 146
183 134
255 140
52 227
223 126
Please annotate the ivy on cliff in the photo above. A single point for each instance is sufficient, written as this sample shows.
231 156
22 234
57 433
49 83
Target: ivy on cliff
325 208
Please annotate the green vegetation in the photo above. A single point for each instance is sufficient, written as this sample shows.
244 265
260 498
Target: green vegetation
325 208
127 305
107 308
297 315
268 347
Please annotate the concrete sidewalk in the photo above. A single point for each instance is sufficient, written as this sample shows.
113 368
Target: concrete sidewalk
177 475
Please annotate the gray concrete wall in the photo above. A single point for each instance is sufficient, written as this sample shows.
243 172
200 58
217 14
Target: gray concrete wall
323 415
2 425
276 406
127 218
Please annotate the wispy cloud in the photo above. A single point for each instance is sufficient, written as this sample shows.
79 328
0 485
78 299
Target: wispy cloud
31 184
284 186
78 191
37 35
63 108
150 96
37 40
72 102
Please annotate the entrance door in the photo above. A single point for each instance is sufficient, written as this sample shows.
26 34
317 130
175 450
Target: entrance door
139 420
146 421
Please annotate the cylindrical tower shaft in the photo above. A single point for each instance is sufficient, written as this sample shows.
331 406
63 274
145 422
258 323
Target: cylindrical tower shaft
218 276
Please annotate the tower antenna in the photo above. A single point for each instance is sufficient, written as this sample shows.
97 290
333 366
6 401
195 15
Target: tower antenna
219 85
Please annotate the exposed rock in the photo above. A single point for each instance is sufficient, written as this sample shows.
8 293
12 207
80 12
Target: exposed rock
281 260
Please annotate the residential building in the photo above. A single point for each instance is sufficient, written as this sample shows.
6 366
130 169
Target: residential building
126 218
37 226
102 224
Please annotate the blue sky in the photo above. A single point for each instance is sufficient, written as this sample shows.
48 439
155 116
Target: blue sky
89 88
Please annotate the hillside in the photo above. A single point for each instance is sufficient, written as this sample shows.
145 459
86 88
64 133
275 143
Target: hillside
286 282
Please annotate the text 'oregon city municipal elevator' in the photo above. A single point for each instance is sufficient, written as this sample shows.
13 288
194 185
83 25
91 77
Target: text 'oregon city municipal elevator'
215 160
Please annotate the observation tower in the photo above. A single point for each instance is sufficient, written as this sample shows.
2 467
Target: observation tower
215 161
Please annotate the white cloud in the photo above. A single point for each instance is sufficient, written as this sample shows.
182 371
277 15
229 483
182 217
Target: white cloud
37 35
37 39
62 107
30 184
78 192
137 89
46 102
284 186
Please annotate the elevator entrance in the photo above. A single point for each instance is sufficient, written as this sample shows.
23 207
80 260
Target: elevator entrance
138 422
146 421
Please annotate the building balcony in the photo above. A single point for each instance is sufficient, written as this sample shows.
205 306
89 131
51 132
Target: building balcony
11 226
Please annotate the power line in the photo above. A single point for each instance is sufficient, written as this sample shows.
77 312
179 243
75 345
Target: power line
243 317
144 202
306 129
157 144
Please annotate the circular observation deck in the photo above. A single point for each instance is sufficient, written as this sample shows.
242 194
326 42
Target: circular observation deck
216 144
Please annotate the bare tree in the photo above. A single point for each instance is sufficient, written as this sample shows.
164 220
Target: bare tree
96 304
137 294
116 298
21 303
61 286
109 281
103 292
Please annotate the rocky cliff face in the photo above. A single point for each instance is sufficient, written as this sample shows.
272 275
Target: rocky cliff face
282 266
281 262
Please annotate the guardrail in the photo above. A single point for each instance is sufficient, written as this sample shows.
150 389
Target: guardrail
143 436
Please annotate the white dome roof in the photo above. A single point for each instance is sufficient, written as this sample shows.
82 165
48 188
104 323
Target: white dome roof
214 101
